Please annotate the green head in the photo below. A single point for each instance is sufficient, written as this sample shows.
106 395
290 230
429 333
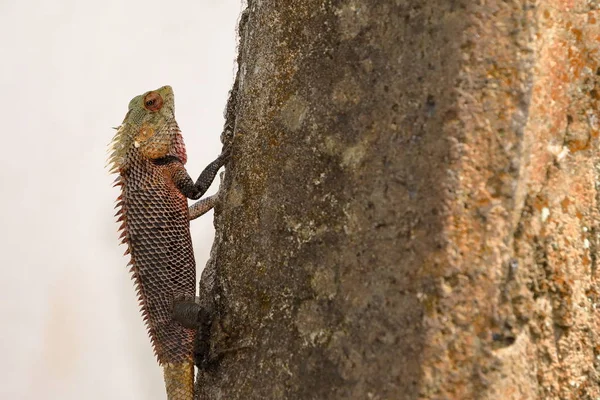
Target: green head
149 128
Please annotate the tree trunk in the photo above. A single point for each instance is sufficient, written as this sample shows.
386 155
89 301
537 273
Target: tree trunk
411 207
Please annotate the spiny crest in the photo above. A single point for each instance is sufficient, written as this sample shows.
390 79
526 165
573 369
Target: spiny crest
137 283
118 147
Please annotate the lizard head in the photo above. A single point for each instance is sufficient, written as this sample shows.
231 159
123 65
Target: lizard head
149 128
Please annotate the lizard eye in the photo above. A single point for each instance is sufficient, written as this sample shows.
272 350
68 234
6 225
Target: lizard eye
153 101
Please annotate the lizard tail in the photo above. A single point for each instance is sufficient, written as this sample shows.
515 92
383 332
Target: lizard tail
179 380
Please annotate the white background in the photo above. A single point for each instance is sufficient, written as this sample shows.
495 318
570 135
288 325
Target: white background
69 321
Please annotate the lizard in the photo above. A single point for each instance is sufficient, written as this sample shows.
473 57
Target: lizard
148 155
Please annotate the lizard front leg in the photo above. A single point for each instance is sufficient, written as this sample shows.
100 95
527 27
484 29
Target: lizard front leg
204 205
195 190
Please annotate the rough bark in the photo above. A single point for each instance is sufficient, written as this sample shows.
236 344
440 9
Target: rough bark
411 207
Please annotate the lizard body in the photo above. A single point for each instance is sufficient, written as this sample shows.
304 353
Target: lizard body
148 154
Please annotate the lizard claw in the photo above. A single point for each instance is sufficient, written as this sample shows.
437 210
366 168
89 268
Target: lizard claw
219 193
226 152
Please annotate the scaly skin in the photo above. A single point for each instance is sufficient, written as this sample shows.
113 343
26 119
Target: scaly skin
148 155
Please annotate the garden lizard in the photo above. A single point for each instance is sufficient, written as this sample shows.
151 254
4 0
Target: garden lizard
148 154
